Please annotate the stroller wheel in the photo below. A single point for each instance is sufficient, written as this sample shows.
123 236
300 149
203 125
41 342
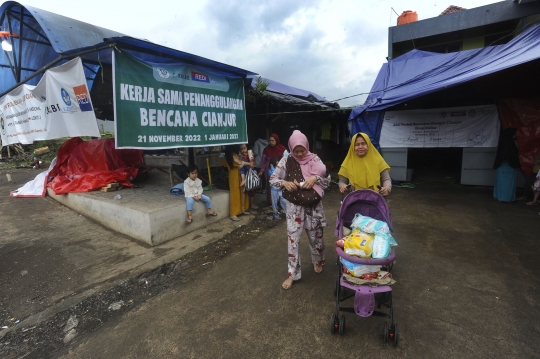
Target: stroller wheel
342 325
395 333
385 332
334 323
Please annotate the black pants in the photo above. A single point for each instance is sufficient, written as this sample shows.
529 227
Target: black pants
528 191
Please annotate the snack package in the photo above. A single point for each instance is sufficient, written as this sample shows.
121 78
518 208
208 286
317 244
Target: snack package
359 270
382 245
359 244
369 225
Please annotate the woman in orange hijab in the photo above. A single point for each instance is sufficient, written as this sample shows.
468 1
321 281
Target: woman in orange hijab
364 167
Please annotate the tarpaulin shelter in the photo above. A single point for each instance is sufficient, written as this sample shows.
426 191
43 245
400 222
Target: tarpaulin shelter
35 40
420 79
40 40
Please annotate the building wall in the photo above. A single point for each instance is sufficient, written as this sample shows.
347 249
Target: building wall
473 43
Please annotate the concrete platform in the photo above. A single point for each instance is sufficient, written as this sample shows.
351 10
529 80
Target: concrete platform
149 214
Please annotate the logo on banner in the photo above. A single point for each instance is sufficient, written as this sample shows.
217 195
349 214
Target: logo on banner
65 97
163 73
83 98
197 76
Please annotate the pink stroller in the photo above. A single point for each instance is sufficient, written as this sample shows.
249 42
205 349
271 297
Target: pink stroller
366 298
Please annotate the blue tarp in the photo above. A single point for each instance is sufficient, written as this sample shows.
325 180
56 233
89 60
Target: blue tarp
419 73
49 36
279 87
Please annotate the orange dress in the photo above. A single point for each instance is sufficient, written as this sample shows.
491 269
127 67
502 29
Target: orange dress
235 194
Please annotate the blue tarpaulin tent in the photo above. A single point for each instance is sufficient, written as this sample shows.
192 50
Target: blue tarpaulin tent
418 73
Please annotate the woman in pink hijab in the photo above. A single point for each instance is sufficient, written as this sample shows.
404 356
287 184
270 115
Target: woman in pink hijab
302 176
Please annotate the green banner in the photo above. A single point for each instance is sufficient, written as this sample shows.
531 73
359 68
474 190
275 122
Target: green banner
175 105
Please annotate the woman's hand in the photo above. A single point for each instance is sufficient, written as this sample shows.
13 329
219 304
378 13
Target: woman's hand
309 182
384 191
289 186
260 174
343 187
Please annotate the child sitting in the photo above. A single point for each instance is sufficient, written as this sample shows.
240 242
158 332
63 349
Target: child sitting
244 156
277 194
194 192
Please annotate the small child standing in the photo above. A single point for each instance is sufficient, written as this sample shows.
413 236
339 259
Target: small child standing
536 190
244 156
194 192
276 194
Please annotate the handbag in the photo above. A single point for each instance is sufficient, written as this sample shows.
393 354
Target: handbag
252 180
300 197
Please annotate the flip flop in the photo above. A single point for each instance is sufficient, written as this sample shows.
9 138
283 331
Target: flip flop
213 214
189 220
234 218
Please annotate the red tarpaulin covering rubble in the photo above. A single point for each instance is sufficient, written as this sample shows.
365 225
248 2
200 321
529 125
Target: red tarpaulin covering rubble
523 114
84 166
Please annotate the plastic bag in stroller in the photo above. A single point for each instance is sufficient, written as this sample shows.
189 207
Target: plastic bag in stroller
371 298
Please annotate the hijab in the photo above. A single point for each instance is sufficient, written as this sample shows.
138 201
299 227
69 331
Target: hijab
507 149
363 172
310 167
277 150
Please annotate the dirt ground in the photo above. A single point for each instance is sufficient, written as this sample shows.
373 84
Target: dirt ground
37 275
467 273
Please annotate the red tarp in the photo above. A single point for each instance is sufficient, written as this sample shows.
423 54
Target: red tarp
523 114
84 166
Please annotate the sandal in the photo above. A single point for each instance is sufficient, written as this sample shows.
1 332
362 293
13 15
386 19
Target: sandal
234 218
213 214
532 203
189 219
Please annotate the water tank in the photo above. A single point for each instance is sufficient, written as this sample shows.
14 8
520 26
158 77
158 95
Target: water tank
406 17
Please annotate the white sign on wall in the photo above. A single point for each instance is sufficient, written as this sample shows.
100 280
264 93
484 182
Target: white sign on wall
471 126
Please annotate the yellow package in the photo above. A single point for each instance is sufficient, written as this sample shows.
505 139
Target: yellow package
359 244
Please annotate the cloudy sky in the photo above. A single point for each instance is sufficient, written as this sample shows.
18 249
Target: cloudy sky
332 48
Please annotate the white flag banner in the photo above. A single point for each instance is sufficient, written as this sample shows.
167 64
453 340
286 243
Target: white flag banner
471 126
59 106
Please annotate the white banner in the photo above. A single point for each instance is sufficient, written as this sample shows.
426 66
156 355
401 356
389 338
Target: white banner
471 126
59 106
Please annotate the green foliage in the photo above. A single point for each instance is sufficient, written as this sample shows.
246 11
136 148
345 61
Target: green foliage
254 94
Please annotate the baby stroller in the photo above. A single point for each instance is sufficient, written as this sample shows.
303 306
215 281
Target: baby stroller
366 298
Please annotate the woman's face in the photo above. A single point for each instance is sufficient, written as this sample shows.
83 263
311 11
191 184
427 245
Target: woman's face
272 141
299 152
360 146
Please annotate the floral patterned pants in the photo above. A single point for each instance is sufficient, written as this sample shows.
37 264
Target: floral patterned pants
296 218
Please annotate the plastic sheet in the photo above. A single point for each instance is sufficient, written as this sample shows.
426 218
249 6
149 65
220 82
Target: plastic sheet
523 114
84 166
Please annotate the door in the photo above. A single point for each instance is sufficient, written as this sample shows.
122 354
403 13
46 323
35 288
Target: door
396 157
